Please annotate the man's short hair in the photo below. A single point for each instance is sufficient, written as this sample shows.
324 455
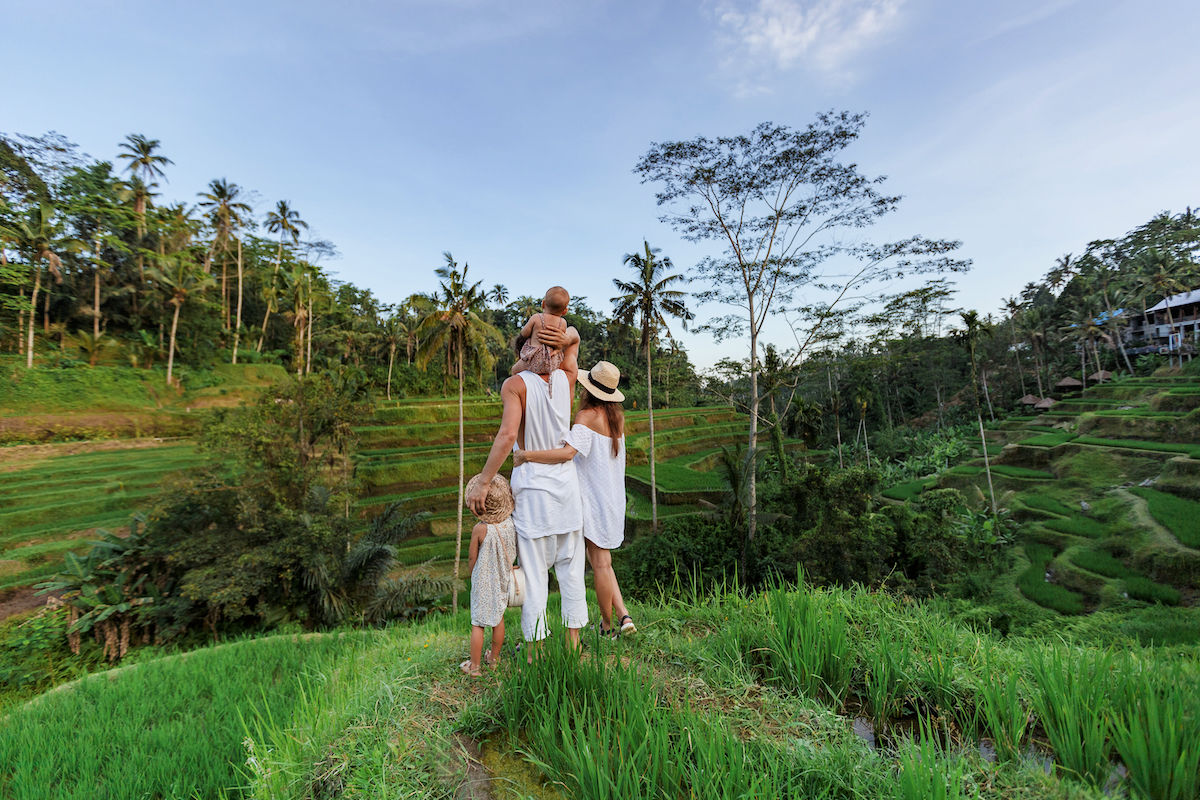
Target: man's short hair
557 299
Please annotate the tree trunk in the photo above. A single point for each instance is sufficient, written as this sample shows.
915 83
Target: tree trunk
224 295
1037 371
752 450
391 360
46 312
270 297
988 396
308 353
21 320
650 410
96 303
37 285
1012 332
461 467
237 330
174 327
987 464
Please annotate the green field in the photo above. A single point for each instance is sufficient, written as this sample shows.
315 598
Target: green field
711 699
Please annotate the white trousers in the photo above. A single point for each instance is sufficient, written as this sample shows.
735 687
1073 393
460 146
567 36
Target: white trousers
567 554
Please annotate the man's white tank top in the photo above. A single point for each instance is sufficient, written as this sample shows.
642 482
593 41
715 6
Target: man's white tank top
547 495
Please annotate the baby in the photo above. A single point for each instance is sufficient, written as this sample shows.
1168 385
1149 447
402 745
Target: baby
541 358
490 560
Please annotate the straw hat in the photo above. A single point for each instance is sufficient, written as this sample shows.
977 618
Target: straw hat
499 503
602 380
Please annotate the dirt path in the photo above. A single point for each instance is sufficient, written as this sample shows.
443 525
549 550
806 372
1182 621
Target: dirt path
22 456
18 601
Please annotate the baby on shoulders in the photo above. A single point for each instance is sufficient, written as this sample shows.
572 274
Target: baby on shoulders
541 358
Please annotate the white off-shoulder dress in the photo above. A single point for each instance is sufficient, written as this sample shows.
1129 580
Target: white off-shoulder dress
601 485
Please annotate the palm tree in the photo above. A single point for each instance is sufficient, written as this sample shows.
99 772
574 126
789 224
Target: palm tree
644 303
973 330
182 278
145 167
455 327
36 235
285 221
1013 306
499 295
226 214
1162 277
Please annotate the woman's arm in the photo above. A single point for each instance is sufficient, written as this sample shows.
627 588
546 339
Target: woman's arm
558 455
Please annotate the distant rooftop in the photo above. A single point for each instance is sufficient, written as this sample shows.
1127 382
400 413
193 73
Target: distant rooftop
1181 299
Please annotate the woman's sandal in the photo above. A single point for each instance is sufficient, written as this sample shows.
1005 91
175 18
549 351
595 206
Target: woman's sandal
627 625
466 668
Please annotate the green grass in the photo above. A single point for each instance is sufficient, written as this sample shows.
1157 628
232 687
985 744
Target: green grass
1141 588
167 728
1010 471
1181 517
1032 583
1137 444
1077 526
1048 439
1046 503
906 491
1101 563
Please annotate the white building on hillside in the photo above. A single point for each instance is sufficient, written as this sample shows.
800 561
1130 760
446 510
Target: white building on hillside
1183 326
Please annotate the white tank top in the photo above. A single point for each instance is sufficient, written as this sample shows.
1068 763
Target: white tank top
547 495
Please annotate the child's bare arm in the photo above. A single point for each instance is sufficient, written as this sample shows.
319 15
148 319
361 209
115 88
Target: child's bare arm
477 534
530 326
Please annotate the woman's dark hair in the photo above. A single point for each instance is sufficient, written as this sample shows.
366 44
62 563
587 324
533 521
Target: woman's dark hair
613 412
518 343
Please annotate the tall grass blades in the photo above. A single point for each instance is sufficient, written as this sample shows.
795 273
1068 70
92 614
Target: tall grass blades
1158 737
998 694
888 679
1072 702
926 775
167 728
810 650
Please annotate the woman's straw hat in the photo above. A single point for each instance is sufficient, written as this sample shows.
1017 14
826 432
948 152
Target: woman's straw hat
602 380
498 506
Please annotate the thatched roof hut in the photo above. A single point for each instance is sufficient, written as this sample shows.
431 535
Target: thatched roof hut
1100 377
1069 383
1045 403
1028 400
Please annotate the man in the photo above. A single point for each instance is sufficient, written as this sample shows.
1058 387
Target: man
549 515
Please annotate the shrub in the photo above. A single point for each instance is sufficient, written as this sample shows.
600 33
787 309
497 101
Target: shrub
700 547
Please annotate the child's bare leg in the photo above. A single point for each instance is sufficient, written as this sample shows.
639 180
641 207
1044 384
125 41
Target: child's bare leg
519 367
497 643
476 648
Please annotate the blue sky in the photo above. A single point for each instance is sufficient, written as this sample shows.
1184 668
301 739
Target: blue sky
506 132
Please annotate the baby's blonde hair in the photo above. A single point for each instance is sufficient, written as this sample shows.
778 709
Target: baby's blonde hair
557 299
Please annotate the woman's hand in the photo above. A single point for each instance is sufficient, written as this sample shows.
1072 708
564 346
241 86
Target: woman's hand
519 458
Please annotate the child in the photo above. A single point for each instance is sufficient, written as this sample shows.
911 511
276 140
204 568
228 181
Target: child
493 550
541 358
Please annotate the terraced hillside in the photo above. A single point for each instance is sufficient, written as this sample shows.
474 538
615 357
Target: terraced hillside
54 496
1105 487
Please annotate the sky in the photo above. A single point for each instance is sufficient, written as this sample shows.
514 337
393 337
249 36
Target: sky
507 132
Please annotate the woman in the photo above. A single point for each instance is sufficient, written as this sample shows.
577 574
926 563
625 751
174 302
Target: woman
597 443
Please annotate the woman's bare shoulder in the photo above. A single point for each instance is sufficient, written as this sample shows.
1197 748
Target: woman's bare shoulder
592 419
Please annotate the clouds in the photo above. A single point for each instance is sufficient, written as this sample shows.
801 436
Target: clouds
762 37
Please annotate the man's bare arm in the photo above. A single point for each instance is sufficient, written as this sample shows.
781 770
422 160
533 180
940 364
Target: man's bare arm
512 392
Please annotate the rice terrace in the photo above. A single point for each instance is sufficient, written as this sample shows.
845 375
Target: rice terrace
529 422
